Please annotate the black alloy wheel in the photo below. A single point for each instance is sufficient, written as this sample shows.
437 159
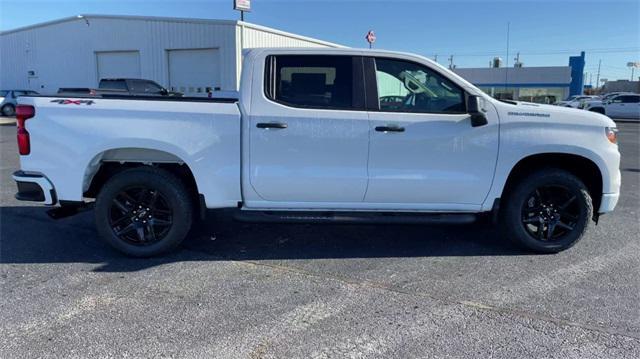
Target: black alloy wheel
140 216
550 213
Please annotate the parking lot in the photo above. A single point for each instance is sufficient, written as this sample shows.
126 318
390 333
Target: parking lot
318 291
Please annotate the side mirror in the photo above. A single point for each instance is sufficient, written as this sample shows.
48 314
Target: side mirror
478 117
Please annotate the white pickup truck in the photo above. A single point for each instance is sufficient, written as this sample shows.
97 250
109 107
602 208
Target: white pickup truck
321 135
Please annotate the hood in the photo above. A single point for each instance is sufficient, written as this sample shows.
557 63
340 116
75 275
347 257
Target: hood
554 114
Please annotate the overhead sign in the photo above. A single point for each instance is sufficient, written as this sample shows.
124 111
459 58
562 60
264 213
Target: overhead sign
242 5
371 37
633 64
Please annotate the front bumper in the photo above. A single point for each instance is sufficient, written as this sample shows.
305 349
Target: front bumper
608 203
34 187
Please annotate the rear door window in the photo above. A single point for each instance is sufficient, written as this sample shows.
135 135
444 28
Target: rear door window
312 81
113 84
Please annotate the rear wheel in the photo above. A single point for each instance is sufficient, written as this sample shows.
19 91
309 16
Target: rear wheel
8 110
144 212
548 212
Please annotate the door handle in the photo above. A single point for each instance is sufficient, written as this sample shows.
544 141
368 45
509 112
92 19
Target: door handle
390 128
278 125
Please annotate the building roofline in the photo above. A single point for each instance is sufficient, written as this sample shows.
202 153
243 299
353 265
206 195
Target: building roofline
171 19
288 34
120 17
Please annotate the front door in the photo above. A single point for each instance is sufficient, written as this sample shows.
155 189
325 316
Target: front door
624 106
309 133
423 149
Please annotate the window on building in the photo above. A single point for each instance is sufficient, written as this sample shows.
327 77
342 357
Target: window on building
408 87
314 81
544 95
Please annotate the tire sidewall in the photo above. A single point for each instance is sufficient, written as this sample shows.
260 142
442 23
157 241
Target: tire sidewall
513 212
172 190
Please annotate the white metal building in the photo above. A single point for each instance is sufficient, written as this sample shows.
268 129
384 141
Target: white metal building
185 55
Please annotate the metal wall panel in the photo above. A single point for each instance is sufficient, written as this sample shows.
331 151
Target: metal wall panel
255 36
62 53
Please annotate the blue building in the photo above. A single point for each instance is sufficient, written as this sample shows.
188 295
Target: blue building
546 84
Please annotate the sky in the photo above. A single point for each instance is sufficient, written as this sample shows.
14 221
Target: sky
545 32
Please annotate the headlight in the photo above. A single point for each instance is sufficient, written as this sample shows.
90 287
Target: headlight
612 134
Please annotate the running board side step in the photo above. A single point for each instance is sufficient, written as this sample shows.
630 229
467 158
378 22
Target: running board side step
353 217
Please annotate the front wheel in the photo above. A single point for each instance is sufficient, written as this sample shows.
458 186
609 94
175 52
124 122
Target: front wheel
548 211
144 212
8 110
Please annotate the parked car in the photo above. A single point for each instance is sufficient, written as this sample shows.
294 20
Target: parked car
122 87
574 101
619 106
8 100
598 101
309 140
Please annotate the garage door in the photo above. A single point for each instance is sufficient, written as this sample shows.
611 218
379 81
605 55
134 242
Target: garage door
194 72
118 64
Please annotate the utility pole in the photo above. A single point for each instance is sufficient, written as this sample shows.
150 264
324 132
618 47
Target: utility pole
435 58
598 76
451 62
591 80
506 70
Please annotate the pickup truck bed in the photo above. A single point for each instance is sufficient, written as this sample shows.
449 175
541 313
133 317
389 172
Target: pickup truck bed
67 145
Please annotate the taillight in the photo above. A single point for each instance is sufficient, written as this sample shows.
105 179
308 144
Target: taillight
23 113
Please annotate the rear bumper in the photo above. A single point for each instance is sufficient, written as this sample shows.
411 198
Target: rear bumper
34 187
608 203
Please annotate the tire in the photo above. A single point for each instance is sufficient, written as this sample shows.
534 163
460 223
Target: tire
598 110
144 212
8 110
549 200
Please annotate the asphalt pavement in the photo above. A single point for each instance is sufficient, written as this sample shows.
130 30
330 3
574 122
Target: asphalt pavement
318 291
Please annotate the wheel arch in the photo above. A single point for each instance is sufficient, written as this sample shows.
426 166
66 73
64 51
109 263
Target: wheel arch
108 163
580 166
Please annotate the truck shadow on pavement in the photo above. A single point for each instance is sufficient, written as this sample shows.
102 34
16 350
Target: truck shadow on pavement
28 235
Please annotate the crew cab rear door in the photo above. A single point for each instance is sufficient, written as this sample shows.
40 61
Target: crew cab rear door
424 152
624 106
308 132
